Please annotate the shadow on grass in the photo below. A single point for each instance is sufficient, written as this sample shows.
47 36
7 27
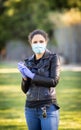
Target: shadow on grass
12 101
12 127
9 79
69 91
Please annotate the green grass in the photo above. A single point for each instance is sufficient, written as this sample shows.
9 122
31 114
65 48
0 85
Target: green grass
12 101
69 97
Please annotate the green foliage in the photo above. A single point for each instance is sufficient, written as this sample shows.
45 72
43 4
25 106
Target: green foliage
19 17
64 4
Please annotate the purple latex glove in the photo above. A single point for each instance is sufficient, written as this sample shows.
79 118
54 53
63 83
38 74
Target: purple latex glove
21 70
26 71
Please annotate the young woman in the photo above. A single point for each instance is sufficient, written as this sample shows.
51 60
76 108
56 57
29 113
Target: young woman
40 76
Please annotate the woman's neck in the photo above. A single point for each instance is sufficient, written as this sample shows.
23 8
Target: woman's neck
38 56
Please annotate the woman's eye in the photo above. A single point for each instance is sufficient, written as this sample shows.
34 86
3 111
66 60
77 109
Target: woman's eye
35 42
41 41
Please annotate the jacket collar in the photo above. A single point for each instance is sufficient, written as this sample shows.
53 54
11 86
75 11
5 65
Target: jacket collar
46 54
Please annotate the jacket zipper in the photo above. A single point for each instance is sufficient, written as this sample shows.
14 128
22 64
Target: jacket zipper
38 93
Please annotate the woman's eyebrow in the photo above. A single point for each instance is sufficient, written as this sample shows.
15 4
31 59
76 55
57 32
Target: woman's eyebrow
34 41
41 41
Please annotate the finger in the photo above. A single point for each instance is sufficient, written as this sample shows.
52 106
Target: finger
20 64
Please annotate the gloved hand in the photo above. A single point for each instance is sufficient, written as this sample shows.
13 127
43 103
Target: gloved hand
21 70
26 71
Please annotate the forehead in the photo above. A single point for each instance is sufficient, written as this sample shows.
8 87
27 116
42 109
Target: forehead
38 37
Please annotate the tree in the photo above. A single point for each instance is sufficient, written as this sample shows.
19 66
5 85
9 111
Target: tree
64 4
19 17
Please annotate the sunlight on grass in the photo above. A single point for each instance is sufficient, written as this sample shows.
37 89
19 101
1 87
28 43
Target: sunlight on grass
69 120
9 70
12 100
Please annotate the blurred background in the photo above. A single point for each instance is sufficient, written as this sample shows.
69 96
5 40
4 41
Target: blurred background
61 19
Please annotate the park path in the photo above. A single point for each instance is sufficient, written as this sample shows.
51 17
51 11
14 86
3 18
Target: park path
71 67
9 70
63 68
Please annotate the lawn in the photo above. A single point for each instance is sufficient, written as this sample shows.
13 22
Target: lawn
12 99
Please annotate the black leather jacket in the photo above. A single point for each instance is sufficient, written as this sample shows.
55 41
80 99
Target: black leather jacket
42 86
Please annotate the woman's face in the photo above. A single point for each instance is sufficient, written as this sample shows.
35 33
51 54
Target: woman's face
38 44
38 38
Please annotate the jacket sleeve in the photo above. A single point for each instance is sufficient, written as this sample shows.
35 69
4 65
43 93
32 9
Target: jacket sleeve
53 79
25 85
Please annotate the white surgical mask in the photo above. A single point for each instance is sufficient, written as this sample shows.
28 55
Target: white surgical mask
39 48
